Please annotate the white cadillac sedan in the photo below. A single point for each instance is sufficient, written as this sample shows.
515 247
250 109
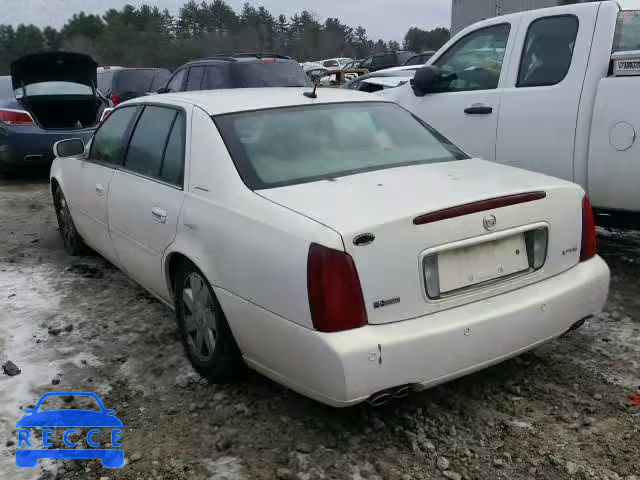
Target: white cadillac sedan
337 244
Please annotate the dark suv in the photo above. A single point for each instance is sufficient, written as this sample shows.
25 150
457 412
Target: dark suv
122 84
240 70
380 61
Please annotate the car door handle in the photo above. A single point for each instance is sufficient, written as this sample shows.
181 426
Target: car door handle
478 109
159 215
99 189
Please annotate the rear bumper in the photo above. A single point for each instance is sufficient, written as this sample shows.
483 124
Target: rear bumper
345 368
32 147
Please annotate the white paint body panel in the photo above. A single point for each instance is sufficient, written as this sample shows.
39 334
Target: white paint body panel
253 247
563 130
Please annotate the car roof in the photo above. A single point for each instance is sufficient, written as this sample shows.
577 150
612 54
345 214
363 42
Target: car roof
219 102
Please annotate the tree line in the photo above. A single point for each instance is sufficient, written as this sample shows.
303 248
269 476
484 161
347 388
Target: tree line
149 37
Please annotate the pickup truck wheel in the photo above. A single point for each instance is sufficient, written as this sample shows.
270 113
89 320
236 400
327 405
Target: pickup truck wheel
73 243
205 333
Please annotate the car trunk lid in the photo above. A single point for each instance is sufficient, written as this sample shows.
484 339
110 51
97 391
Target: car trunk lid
54 67
431 237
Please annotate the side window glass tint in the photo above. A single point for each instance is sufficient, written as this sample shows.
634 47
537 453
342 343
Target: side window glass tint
194 80
109 141
548 50
475 61
175 85
144 155
366 63
174 153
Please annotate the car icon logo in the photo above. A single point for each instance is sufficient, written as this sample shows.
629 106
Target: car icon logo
69 419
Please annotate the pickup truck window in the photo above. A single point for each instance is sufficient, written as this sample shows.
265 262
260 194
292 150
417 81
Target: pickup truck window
548 51
627 36
475 61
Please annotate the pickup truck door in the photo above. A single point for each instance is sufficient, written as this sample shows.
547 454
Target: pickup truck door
466 108
146 195
539 106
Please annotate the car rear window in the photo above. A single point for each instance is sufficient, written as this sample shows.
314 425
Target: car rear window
138 81
627 36
105 80
287 146
268 74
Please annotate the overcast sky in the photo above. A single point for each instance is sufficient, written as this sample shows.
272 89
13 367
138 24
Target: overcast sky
387 19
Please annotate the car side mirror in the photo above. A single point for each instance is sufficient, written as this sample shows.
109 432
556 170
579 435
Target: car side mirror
72 147
427 79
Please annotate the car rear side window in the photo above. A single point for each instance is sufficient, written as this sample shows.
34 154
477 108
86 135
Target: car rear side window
134 81
548 51
194 80
109 141
148 141
173 161
175 84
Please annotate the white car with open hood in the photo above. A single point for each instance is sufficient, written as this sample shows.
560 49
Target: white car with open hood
336 244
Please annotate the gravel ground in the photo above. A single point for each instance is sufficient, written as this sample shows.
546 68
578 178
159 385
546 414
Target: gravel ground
565 410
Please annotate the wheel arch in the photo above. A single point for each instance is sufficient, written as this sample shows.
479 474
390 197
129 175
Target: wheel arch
171 263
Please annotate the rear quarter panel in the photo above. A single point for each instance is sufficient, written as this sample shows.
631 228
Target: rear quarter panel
614 149
248 247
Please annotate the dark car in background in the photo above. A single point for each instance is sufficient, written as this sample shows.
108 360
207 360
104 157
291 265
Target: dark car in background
120 84
380 61
49 96
420 58
245 70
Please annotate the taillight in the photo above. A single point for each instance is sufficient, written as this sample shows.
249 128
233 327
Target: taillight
588 247
335 296
268 60
105 114
115 99
15 117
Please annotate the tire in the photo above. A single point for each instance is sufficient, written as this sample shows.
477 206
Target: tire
73 243
204 331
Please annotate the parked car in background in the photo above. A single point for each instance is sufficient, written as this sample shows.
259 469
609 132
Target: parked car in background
550 90
382 79
420 58
48 97
335 63
400 262
237 71
380 61
120 84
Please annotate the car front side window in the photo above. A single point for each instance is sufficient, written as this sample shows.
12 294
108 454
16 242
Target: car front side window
109 142
475 61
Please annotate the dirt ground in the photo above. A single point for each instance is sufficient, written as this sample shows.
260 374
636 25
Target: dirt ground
562 411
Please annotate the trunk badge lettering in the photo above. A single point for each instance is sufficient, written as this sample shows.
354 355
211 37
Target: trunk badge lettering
489 222
386 303
364 239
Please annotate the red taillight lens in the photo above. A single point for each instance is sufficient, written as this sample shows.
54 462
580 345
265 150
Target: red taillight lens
588 247
268 60
105 114
115 99
335 296
15 117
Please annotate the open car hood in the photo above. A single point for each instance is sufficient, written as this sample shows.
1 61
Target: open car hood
54 67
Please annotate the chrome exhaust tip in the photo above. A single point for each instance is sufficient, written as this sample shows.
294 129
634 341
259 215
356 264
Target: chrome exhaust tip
385 396
576 325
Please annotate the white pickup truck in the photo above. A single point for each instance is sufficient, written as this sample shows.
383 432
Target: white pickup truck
555 90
